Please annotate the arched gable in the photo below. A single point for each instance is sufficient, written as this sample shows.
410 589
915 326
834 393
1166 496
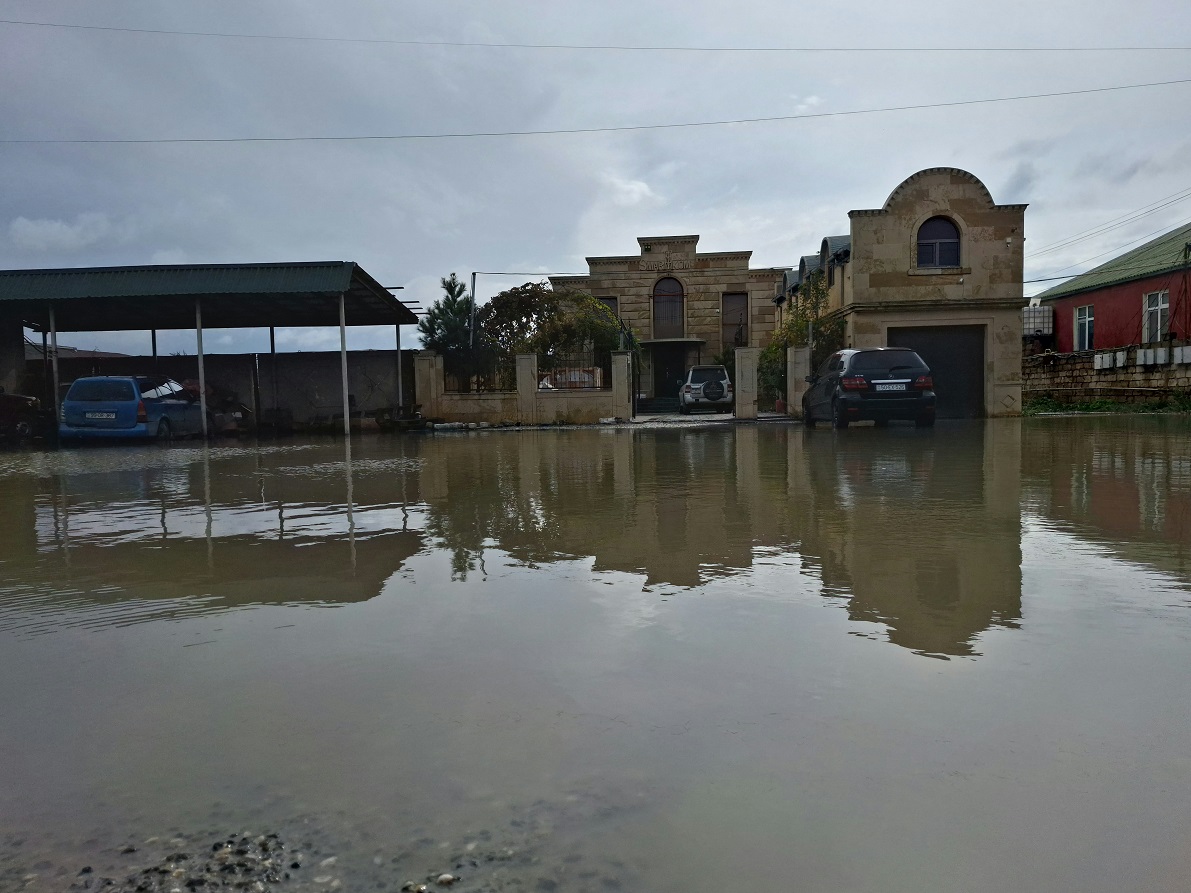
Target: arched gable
931 172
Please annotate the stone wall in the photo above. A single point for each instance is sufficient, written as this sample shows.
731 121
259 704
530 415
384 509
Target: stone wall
528 404
1134 374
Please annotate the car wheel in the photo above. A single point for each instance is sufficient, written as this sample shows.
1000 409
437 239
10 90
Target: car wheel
683 409
924 421
165 433
807 418
23 429
838 419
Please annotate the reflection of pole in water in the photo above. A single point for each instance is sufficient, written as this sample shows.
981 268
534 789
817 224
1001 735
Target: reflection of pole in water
351 520
65 526
207 504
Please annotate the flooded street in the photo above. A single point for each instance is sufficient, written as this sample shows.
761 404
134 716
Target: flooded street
675 659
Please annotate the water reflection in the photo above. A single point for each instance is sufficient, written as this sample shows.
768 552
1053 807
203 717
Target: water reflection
1124 484
915 532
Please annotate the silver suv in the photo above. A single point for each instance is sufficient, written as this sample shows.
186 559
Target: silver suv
706 387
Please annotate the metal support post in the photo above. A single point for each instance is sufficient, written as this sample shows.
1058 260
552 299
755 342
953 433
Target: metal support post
198 327
54 363
347 417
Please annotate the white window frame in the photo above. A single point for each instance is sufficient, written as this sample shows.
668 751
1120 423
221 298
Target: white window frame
1085 327
1155 316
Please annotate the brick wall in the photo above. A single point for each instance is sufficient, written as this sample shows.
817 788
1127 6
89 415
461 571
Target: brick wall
1134 374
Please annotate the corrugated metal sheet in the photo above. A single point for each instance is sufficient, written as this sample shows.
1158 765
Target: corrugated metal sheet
232 296
1159 255
330 277
837 243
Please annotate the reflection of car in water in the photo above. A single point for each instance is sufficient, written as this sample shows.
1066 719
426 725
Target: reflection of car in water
106 407
880 384
21 417
706 387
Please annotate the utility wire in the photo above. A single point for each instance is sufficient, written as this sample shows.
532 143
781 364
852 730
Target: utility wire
601 47
586 130
1117 222
1132 242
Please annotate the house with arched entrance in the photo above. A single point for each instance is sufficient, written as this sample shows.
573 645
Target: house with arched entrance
685 307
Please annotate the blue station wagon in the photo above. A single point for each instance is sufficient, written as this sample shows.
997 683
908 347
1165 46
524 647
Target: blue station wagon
110 407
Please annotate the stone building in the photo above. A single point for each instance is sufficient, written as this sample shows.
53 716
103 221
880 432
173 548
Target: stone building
683 306
937 268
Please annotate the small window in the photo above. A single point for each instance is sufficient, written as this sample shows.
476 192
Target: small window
612 304
938 243
1084 325
1156 318
734 320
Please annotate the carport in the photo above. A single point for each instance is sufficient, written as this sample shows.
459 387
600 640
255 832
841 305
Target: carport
191 296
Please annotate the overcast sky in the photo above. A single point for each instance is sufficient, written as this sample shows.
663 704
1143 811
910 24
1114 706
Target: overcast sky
412 211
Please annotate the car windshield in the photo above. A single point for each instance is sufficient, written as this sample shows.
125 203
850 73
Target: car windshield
702 376
99 390
884 361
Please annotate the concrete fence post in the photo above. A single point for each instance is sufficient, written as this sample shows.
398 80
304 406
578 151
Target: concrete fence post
798 367
746 382
527 388
622 384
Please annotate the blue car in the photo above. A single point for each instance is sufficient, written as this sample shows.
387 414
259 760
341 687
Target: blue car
114 407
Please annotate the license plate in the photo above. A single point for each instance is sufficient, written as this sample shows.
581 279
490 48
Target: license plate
100 415
897 386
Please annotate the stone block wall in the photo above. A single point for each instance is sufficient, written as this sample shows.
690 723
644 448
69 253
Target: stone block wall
1134 374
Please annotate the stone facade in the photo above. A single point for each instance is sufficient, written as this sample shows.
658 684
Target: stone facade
705 278
878 286
1126 375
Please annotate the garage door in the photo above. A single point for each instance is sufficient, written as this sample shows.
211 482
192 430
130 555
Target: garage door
955 355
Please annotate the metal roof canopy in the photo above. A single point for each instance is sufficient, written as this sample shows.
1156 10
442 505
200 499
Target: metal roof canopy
109 299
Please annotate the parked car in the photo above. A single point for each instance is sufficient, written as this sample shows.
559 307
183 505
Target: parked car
21 417
880 384
106 407
706 387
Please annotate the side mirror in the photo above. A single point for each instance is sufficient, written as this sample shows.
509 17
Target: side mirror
811 379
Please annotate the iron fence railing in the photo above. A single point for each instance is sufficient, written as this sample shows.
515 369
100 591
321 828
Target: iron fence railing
488 376
585 370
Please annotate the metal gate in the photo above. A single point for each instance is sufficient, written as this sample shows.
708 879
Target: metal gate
955 355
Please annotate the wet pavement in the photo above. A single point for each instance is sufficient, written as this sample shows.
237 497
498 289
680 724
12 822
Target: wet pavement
666 658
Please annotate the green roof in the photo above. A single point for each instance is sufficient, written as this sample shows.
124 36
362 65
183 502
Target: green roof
97 299
1161 255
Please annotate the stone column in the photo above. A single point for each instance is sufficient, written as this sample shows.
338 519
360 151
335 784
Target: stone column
746 382
12 353
527 388
622 384
427 367
798 367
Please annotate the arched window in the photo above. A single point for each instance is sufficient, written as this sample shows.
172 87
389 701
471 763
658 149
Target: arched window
667 309
938 243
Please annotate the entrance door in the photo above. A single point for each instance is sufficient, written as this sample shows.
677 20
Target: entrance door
955 355
669 369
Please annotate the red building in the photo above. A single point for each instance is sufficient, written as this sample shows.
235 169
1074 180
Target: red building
1140 297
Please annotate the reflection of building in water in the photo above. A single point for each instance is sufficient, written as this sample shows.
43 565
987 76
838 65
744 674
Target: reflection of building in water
1125 487
922 535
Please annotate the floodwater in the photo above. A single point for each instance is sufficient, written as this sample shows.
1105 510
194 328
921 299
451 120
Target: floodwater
671 659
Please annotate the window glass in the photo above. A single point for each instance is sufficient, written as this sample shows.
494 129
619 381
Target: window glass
101 390
734 320
612 304
668 309
707 373
886 361
1084 323
1156 321
938 243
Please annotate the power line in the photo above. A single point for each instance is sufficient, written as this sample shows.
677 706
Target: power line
588 130
631 48
1117 222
